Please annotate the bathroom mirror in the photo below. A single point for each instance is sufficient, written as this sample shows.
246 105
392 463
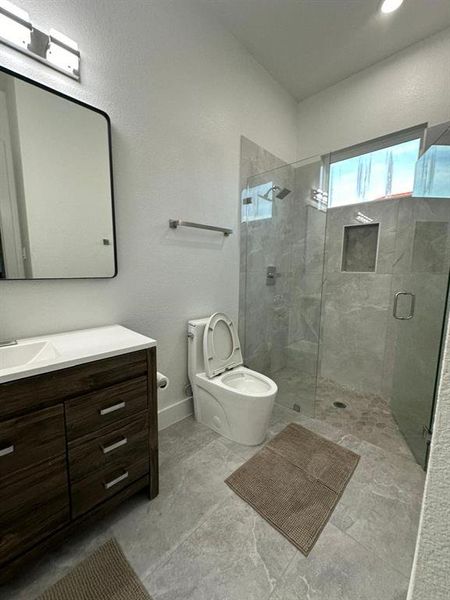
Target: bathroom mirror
56 196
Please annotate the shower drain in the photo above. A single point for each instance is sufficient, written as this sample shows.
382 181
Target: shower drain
339 405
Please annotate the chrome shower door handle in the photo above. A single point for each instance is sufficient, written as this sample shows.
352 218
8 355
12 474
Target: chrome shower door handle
412 306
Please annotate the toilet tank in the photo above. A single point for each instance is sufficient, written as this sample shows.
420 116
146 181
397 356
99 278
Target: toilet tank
196 362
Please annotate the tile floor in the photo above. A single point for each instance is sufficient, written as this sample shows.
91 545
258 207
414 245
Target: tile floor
199 541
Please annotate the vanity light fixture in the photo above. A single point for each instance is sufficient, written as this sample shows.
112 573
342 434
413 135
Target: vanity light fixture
54 49
389 6
15 25
62 52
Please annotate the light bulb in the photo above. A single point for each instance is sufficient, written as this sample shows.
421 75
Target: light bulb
389 6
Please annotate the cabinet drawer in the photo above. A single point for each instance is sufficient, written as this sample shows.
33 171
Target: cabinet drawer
31 439
105 483
19 397
129 442
97 410
32 505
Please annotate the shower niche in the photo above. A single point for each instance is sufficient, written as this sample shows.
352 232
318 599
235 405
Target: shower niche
360 248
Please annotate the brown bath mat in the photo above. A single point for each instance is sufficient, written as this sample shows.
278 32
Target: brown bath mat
295 482
105 575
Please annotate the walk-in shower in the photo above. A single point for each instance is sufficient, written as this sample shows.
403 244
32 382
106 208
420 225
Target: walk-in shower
349 322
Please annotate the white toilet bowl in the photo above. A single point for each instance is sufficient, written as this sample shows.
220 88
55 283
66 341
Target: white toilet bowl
229 398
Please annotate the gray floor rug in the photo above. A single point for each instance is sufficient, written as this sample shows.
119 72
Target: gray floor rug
105 575
295 482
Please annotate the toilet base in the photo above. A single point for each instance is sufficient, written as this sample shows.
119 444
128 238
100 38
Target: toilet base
237 423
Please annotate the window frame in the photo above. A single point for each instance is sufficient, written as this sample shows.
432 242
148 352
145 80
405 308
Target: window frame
385 141
373 145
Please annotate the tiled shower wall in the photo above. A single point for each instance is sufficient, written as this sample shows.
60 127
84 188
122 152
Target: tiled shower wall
360 339
356 304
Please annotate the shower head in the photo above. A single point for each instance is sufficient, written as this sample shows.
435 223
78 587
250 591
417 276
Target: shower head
281 193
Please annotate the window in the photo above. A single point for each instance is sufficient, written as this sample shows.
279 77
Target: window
260 206
433 173
378 170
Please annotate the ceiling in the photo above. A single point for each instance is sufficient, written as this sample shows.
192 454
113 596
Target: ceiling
308 45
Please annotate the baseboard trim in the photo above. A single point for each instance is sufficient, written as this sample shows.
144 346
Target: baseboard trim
174 413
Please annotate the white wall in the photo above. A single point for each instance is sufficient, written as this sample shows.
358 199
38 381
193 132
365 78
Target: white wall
410 88
180 91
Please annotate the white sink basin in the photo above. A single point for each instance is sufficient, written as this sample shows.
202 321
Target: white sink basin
33 356
24 353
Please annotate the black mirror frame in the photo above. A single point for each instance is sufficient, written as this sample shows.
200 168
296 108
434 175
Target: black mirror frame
108 123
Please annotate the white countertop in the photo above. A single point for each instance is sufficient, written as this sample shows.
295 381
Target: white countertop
77 347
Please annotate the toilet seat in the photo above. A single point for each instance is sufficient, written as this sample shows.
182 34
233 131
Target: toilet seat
221 346
248 382
242 382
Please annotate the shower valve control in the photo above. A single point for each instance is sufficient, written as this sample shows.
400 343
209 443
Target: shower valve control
271 275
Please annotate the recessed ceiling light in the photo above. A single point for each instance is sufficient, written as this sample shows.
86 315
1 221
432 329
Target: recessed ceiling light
389 6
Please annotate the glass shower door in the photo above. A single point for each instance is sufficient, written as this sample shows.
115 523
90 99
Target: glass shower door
283 221
419 299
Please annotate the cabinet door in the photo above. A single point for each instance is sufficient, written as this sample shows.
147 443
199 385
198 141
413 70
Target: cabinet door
33 504
31 439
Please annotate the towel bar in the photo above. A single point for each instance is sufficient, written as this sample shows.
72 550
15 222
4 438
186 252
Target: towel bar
175 223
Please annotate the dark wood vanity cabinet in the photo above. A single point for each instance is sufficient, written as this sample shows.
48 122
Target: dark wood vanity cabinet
73 444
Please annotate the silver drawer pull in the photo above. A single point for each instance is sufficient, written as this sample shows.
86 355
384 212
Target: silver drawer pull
113 408
115 481
114 446
7 450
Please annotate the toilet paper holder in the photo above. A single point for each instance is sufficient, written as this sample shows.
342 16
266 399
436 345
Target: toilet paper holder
162 381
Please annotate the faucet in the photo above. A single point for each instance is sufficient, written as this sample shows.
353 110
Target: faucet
8 343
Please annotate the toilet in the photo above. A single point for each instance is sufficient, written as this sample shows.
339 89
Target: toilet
229 398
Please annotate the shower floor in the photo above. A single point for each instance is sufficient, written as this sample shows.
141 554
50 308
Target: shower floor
367 416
